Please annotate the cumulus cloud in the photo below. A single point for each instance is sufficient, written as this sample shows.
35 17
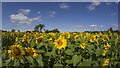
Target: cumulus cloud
116 25
52 14
93 5
83 26
24 11
92 25
38 12
63 5
22 18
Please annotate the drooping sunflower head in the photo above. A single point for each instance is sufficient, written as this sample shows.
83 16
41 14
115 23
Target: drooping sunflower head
16 52
106 62
31 52
39 40
82 45
60 43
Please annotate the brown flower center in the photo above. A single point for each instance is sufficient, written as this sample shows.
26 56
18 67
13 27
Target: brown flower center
31 52
16 51
92 38
60 43
105 37
39 40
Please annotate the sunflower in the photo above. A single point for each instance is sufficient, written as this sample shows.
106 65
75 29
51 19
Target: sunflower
106 49
82 45
60 43
67 34
106 62
31 52
24 38
39 40
16 52
92 39
105 38
49 39
16 39
76 37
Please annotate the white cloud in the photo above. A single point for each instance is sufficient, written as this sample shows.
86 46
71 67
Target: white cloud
83 26
22 18
80 26
38 12
116 25
92 25
95 28
102 26
52 14
24 11
93 5
63 5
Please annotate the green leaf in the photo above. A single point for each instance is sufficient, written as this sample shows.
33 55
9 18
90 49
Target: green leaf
39 60
29 58
0 62
48 54
53 53
7 61
90 47
40 45
71 46
68 61
116 41
40 51
99 51
84 64
16 62
69 52
58 65
22 61
75 60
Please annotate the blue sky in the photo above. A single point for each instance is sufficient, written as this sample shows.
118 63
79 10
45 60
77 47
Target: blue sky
66 16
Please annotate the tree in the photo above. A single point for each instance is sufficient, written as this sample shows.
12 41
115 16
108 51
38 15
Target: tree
54 31
36 28
13 30
46 31
41 27
111 29
18 30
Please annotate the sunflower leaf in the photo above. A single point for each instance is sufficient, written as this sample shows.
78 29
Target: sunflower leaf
68 61
16 62
22 61
7 61
75 60
69 52
29 58
39 60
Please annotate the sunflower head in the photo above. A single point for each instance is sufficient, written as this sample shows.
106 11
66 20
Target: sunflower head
16 52
82 45
60 43
39 40
106 62
31 52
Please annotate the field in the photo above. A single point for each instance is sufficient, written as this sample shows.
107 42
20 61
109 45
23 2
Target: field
61 49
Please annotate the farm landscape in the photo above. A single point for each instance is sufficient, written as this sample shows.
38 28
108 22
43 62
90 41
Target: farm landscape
40 46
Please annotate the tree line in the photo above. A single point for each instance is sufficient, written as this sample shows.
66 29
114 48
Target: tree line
39 28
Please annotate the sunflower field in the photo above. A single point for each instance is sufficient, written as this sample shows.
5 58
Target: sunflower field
60 49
